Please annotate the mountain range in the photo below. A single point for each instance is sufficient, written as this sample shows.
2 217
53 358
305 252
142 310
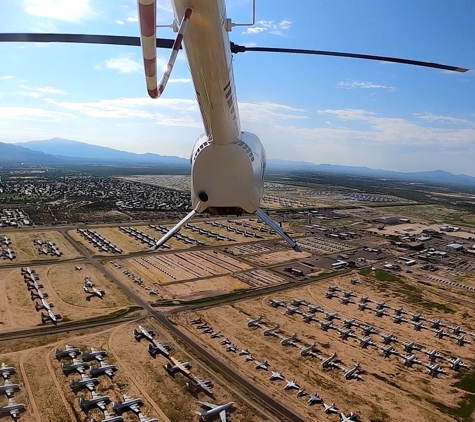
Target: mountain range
59 152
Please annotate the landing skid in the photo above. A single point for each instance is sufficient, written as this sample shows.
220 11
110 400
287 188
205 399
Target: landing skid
263 216
173 231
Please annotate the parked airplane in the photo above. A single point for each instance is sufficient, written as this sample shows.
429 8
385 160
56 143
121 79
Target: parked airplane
417 317
348 323
365 299
96 400
434 369
333 288
103 368
381 305
302 392
143 418
345 333
12 408
33 285
197 321
6 371
346 300
309 350
272 331
366 330
398 319
109 417
436 323
308 318
418 326
399 311
43 305
276 376
353 373
388 350
216 334
326 325
290 310
244 352
330 294
315 308
330 408
388 338
440 333
314 399
362 306
329 361
93 291
262 365
289 341
207 330
85 382
77 366
143 332
156 347
456 363
380 312
128 404
433 355
213 409
254 322
410 360
50 316
69 351
299 302
177 366
330 316
9 388
93 354
231 348
77 268
350 418
291 385
38 295
225 341
461 340
457 330
196 383
349 293
409 347
366 341
275 303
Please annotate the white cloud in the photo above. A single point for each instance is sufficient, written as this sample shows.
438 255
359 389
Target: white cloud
31 94
365 85
270 26
269 112
179 80
133 18
31 113
50 90
444 119
75 11
123 65
119 22
2 78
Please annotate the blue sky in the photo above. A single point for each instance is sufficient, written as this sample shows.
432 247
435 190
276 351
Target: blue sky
317 109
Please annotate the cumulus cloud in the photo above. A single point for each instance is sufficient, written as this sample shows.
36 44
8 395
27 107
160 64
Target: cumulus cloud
2 78
123 65
276 28
75 11
119 22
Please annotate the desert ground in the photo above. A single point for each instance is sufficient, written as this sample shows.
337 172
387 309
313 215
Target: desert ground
389 390
27 251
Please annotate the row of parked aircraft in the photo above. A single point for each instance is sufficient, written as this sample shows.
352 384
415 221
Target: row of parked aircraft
12 408
31 280
7 253
195 383
47 247
99 241
275 376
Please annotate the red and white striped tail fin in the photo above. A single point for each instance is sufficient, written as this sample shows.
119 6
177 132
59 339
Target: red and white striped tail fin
147 18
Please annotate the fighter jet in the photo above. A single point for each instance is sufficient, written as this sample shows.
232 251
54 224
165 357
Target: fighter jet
12 408
103 368
456 363
366 341
398 319
399 311
196 383
302 392
309 318
326 325
348 323
388 350
457 330
262 365
77 268
362 306
440 333
213 409
345 333
271 331
330 408
93 354
333 288
244 352
85 382
418 326
276 376
254 322
417 317
433 355
349 293
365 299
410 360
330 316
353 373
315 308
207 330
309 350
77 366
290 310
197 321
69 351
231 348
43 305
330 294
436 323
275 303
460 340
156 347
298 302
329 361
289 341
346 300
388 338
354 281
291 385
380 312
381 305
225 341
216 334
350 418
50 316
177 366
9 388
6 371
143 332
434 369
96 400
314 399
409 347
128 404
366 330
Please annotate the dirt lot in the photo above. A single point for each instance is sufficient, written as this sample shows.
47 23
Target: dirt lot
64 286
390 391
48 397
276 257
26 251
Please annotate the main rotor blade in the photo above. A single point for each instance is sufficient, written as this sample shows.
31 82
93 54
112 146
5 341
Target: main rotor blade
235 48
81 39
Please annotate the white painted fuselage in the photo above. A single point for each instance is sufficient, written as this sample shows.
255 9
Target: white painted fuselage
227 164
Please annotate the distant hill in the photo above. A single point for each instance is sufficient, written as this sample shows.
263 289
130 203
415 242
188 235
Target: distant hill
75 149
15 155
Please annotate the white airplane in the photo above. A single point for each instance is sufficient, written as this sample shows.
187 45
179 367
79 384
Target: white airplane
410 360
275 303
69 351
85 382
9 388
93 291
216 334
291 385
254 322
272 331
277 376
6 371
213 409
244 352
156 347
289 341
433 355
196 383
330 408
143 332
12 408
350 418
262 365
249 358
435 369
302 392
409 347
353 373
143 418
456 363
314 399
43 305
50 316
309 350
328 362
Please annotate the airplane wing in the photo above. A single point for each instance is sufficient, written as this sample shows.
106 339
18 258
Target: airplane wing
109 372
222 415
208 405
